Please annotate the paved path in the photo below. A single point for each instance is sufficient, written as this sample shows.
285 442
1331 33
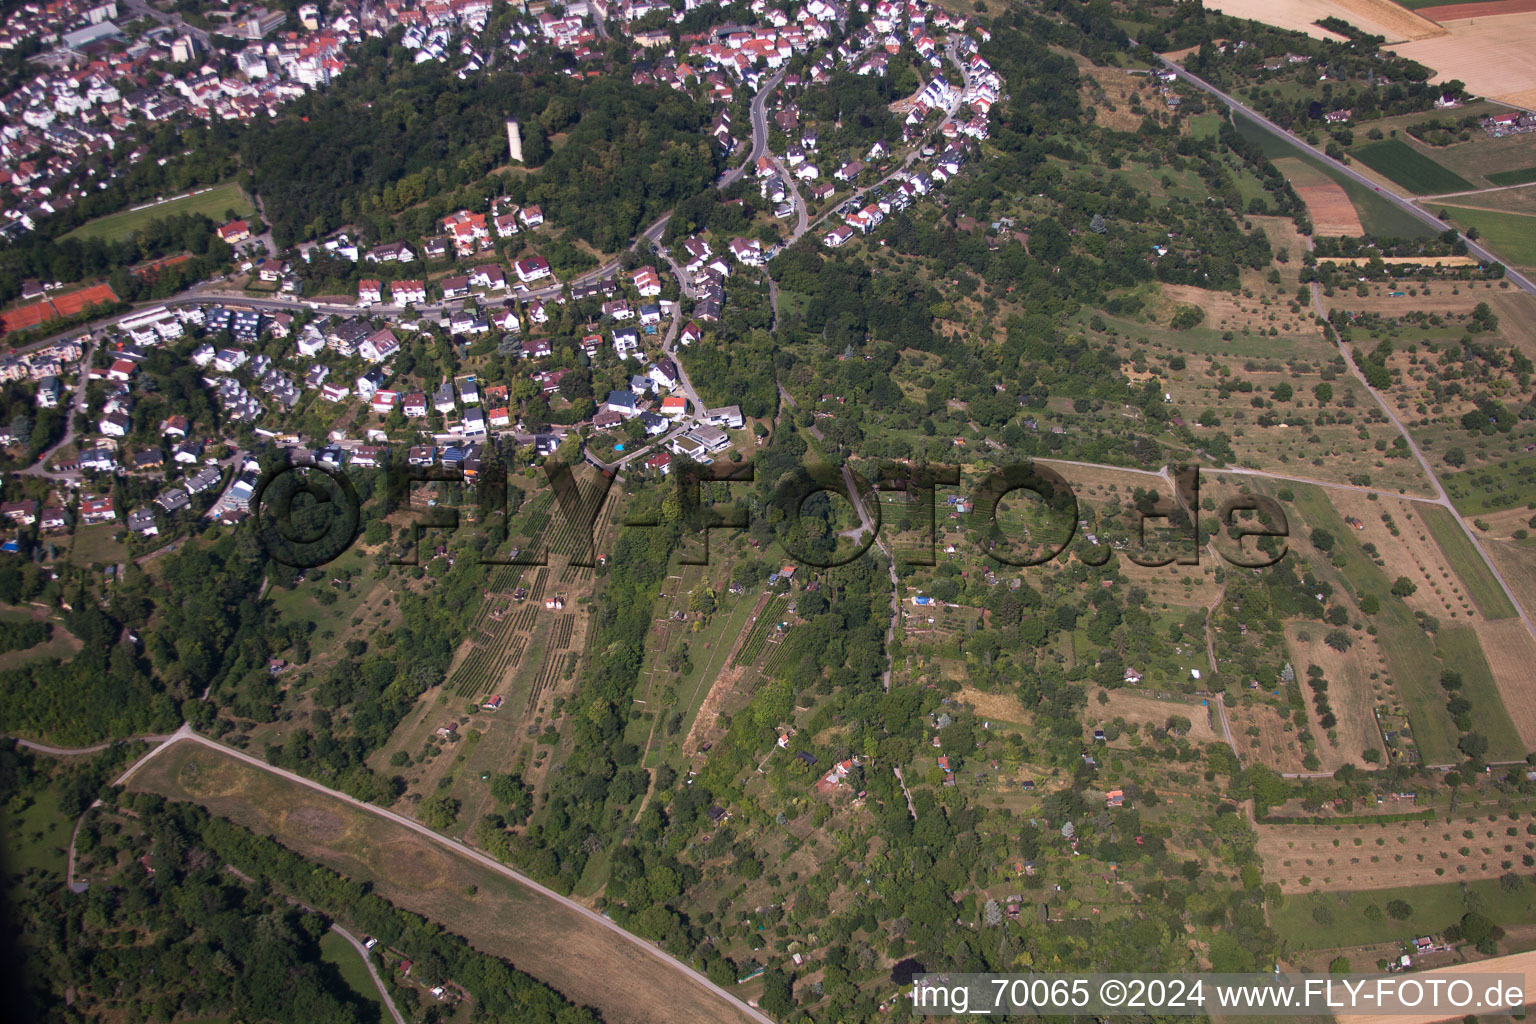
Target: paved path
865 523
664 960
95 748
76 408
362 951
911 807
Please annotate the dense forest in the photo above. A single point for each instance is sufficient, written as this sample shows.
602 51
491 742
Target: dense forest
395 138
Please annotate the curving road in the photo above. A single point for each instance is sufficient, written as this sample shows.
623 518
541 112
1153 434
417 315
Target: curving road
1516 278
43 748
188 734
362 951
759 132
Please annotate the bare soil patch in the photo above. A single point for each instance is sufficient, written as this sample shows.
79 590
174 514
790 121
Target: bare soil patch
1332 212
1412 552
315 823
1222 309
1138 709
1108 91
1002 707
1277 744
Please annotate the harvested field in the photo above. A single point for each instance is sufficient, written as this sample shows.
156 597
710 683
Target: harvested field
1492 55
1455 12
1516 963
1517 563
1353 693
1378 17
1137 709
588 963
1511 652
1415 261
1332 212
1303 858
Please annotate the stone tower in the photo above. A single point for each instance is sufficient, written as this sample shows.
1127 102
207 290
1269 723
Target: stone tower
515 141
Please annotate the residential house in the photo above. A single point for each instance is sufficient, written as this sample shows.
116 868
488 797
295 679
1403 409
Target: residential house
408 292
488 276
22 513
142 522
664 373
379 346
393 252
724 416
533 268
622 402
626 342
96 509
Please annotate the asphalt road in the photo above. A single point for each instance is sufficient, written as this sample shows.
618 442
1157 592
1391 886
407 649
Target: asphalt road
1516 278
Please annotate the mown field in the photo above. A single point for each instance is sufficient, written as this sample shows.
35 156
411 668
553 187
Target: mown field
214 204
1401 163
1511 236
1342 920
